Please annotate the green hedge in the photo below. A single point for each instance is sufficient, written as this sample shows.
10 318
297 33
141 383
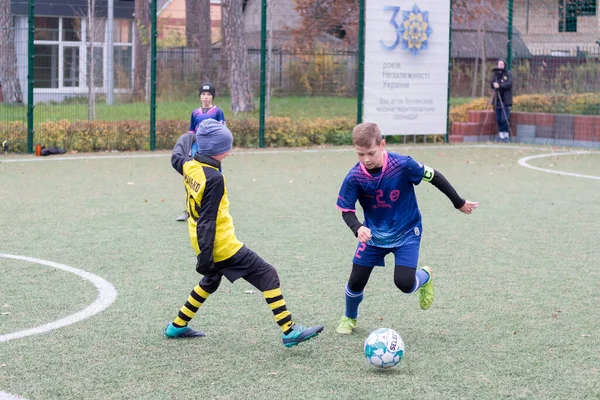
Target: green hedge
87 136
578 104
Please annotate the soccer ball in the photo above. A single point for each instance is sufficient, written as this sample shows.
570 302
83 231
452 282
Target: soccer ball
384 348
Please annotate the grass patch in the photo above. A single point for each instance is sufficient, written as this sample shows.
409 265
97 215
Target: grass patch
516 290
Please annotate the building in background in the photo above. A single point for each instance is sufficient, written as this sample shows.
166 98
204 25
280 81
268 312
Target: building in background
171 22
61 46
558 27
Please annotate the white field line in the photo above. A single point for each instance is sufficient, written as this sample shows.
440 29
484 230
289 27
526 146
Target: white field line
8 396
262 152
523 162
107 294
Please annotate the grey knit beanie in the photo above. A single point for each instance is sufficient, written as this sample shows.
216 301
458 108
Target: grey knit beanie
213 138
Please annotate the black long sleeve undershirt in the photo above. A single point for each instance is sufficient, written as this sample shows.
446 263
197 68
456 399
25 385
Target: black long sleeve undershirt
440 182
352 222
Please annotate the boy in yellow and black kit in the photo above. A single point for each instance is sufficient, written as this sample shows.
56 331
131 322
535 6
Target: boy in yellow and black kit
219 253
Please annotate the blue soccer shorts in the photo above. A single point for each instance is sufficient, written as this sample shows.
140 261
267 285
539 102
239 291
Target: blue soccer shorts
371 256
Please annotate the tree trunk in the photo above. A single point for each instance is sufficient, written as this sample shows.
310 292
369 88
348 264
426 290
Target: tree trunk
198 35
9 74
475 73
202 40
141 48
237 54
476 70
483 64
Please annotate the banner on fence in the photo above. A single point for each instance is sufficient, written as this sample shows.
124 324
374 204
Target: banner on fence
406 65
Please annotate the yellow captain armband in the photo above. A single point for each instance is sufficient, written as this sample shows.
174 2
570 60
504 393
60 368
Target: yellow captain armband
428 174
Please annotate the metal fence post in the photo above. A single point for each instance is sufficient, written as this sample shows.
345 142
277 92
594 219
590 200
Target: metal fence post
263 72
361 61
30 74
153 36
509 56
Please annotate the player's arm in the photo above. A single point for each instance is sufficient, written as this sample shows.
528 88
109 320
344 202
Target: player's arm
352 221
206 224
192 124
181 152
221 117
439 181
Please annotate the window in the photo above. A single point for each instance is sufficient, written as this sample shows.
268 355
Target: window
61 53
97 60
71 30
586 7
569 10
122 70
71 67
46 28
122 31
45 66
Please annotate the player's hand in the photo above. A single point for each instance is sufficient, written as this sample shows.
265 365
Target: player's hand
496 85
364 234
469 207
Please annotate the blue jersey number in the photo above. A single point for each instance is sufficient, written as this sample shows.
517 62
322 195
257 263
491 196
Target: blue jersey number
395 10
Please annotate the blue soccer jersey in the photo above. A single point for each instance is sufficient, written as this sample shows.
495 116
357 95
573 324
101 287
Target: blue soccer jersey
388 200
198 116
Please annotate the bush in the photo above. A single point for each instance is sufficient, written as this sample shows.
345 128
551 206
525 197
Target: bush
16 134
87 136
578 104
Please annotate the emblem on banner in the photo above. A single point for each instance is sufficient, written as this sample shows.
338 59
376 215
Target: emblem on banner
415 31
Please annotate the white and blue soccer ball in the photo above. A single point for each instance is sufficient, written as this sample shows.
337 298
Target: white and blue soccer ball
384 348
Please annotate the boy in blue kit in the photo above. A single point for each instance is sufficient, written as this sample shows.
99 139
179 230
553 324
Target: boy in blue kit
207 111
383 183
218 251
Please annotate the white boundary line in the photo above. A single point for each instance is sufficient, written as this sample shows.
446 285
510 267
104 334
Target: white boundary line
523 163
266 152
107 294
8 396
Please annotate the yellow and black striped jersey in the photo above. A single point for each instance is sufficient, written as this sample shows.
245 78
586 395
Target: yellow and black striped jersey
210 225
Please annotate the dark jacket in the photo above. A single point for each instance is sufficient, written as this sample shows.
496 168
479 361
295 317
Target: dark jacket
504 78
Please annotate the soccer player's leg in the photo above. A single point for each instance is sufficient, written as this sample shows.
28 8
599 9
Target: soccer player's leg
365 259
408 279
179 329
264 277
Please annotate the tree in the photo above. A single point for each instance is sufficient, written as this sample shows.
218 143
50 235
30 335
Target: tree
9 74
141 49
94 34
237 54
198 34
338 18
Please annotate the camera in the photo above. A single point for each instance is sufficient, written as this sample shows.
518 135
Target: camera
497 74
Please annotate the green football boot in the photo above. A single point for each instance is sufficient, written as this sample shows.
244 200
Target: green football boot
346 325
426 291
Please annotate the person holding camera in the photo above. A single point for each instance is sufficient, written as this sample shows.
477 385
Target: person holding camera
502 100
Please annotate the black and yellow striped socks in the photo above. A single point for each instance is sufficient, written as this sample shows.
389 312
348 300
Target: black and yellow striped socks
276 302
191 306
